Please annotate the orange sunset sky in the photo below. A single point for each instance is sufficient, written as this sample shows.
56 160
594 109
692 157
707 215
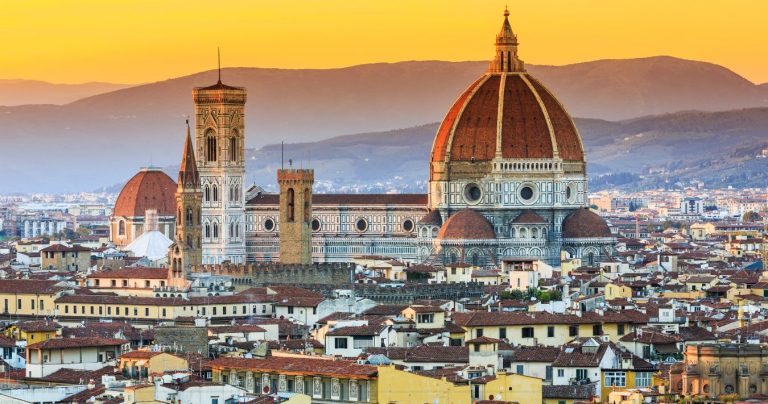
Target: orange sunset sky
148 40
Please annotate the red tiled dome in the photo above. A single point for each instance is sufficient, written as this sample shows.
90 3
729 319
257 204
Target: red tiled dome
583 223
532 122
466 224
150 188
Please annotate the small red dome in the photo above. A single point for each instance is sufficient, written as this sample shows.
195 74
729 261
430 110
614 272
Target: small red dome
583 223
150 188
466 224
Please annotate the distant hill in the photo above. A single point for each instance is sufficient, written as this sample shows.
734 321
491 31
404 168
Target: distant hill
23 92
718 148
104 139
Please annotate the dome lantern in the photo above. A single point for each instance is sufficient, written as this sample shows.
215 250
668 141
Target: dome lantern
505 59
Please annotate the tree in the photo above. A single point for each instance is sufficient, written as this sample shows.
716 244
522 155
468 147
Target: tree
751 216
83 231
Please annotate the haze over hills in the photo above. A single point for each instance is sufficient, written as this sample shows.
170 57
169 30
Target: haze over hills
24 92
652 149
104 139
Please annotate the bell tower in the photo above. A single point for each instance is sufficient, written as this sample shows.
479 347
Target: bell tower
186 249
220 144
295 215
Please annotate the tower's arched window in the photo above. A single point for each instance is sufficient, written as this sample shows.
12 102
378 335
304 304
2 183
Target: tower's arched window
233 152
237 229
190 217
231 230
207 230
215 193
215 230
121 228
207 193
290 204
210 145
306 205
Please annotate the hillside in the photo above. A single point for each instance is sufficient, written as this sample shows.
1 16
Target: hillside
105 138
24 92
652 149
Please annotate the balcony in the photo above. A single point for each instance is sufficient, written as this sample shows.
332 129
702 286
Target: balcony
667 320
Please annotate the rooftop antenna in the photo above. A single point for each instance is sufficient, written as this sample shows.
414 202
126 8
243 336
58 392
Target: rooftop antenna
218 54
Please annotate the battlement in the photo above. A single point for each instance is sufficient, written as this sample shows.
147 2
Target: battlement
332 273
296 175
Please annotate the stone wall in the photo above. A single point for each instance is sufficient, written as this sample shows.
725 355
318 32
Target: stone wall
337 274
183 339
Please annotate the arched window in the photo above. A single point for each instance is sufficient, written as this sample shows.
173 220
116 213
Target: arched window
475 259
207 193
121 228
189 242
290 204
207 230
210 145
215 193
190 217
237 229
231 230
233 155
306 205
215 230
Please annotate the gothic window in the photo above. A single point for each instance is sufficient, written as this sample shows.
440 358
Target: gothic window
306 205
290 201
237 229
189 217
207 230
215 193
233 146
189 242
121 228
215 230
475 259
231 230
207 193
210 145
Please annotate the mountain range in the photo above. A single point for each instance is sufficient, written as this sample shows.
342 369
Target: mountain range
103 139
24 92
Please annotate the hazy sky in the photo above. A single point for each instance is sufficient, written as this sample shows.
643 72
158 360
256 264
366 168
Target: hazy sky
148 40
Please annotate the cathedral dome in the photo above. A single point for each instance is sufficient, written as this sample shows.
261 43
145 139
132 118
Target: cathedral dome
149 189
583 223
466 224
506 114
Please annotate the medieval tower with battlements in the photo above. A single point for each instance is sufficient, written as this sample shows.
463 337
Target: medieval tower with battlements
295 215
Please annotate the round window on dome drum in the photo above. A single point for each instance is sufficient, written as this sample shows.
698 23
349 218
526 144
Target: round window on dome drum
361 225
408 225
472 193
315 225
269 225
526 193
569 192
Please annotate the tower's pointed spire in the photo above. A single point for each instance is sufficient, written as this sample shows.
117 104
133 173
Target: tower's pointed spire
188 174
506 59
